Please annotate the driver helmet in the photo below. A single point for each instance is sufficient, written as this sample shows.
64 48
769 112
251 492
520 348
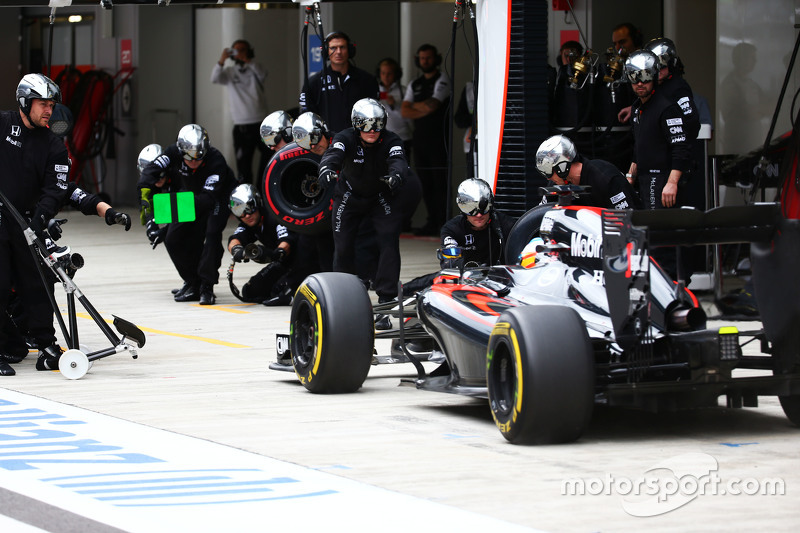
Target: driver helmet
556 154
277 126
309 129
148 155
642 65
36 86
474 197
529 257
368 115
665 51
244 200
193 142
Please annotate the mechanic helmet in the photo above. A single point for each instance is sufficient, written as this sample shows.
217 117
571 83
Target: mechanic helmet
474 197
368 115
665 51
277 126
556 154
244 200
309 129
193 142
642 65
148 155
36 86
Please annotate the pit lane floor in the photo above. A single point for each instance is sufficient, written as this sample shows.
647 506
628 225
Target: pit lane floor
200 403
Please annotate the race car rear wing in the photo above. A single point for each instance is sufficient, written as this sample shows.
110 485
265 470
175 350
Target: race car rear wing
627 236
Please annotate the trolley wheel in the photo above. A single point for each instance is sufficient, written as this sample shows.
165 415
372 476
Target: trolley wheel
85 349
73 364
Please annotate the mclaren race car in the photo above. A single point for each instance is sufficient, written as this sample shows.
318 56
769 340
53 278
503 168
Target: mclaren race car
587 317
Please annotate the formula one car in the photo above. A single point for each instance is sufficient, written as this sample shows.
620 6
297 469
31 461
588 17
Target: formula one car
593 319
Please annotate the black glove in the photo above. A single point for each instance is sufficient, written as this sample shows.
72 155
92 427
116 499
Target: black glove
38 224
155 234
54 227
115 217
238 254
278 255
325 177
393 182
256 252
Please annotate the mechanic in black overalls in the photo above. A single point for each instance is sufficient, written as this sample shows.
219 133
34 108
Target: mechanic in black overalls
374 183
558 161
662 148
269 242
192 164
33 175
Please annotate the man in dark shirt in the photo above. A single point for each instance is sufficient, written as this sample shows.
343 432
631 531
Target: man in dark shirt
33 177
344 84
558 160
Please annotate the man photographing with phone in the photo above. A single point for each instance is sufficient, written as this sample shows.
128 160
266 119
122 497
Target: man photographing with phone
248 107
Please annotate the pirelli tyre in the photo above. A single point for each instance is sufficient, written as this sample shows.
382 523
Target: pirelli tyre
292 194
540 375
332 333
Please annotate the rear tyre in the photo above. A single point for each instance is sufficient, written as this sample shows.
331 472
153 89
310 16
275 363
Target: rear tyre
540 375
332 334
791 406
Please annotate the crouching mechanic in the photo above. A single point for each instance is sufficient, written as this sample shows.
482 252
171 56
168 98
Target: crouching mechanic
195 247
373 182
259 238
559 162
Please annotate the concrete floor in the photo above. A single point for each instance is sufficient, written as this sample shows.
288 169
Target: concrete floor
203 373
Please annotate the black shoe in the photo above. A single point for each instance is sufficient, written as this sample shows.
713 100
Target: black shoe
48 358
179 292
207 295
191 294
383 322
5 368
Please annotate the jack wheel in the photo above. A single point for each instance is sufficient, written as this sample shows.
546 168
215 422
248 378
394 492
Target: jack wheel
73 364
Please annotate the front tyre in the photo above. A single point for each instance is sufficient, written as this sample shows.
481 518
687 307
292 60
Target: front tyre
540 375
332 334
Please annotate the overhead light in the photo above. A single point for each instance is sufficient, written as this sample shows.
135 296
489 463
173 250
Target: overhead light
75 18
252 6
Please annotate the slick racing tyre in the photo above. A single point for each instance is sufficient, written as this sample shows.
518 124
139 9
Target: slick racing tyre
332 333
292 194
540 375
525 229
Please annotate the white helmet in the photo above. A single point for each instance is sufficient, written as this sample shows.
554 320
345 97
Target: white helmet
148 155
244 200
193 142
642 65
474 197
368 115
308 130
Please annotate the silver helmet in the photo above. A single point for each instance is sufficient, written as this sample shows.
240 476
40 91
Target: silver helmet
665 51
193 142
642 65
308 130
368 115
474 197
244 200
555 154
147 155
33 86
277 126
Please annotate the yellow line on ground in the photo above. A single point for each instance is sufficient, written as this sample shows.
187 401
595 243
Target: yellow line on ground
223 308
180 335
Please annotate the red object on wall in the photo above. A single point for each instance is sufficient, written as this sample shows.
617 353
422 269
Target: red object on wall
570 35
125 55
562 5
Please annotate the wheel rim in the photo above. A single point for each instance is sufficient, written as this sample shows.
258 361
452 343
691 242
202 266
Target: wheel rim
305 336
299 185
502 379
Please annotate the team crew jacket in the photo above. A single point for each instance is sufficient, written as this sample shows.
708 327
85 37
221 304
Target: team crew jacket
362 167
34 166
677 90
478 246
661 140
334 100
267 232
609 188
